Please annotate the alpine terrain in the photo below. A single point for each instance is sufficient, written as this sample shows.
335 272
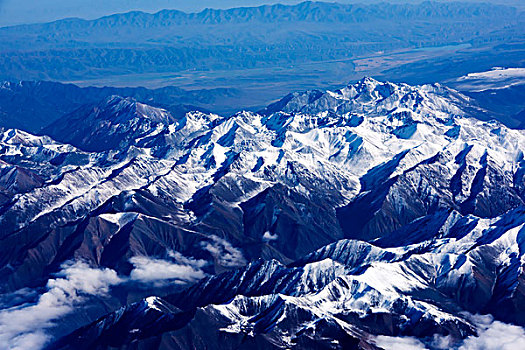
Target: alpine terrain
358 218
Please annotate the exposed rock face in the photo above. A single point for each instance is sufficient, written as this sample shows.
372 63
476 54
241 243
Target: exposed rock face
340 295
413 209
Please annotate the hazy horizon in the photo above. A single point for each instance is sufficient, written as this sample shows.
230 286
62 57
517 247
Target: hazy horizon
35 11
11 13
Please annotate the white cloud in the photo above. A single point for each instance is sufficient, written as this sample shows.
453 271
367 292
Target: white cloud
442 343
158 271
224 253
494 335
399 343
23 327
269 237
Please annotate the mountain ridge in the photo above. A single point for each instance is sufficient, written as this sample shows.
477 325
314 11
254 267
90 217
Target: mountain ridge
32 105
116 51
276 221
214 16
277 295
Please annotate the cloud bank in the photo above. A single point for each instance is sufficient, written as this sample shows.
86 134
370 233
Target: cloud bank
24 327
159 271
492 335
399 343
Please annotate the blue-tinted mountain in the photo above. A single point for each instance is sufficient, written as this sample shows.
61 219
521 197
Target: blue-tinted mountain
324 220
243 38
32 105
339 296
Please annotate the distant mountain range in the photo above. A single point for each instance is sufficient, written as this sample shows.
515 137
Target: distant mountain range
329 219
37 12
32 105
244 38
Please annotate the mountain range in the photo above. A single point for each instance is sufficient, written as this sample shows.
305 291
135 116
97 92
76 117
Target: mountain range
346 218
32 105
271 49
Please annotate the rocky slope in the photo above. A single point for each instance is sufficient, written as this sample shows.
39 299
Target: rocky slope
413 209
341 295
33 105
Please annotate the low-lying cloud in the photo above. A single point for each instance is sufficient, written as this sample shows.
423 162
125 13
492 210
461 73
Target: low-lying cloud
24 327
158 271
399 343
492 335
224 253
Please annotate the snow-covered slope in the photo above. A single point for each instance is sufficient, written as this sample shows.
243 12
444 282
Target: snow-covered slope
341 295
400 175
114 123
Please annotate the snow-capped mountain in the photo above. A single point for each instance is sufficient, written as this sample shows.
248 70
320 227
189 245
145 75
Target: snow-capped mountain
32 105
341 295
115 123
376 209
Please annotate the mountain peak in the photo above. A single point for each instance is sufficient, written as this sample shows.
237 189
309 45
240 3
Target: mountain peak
113 123
394 188
367 80
122 109
371 97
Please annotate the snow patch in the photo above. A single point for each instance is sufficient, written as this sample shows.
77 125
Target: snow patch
497 78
